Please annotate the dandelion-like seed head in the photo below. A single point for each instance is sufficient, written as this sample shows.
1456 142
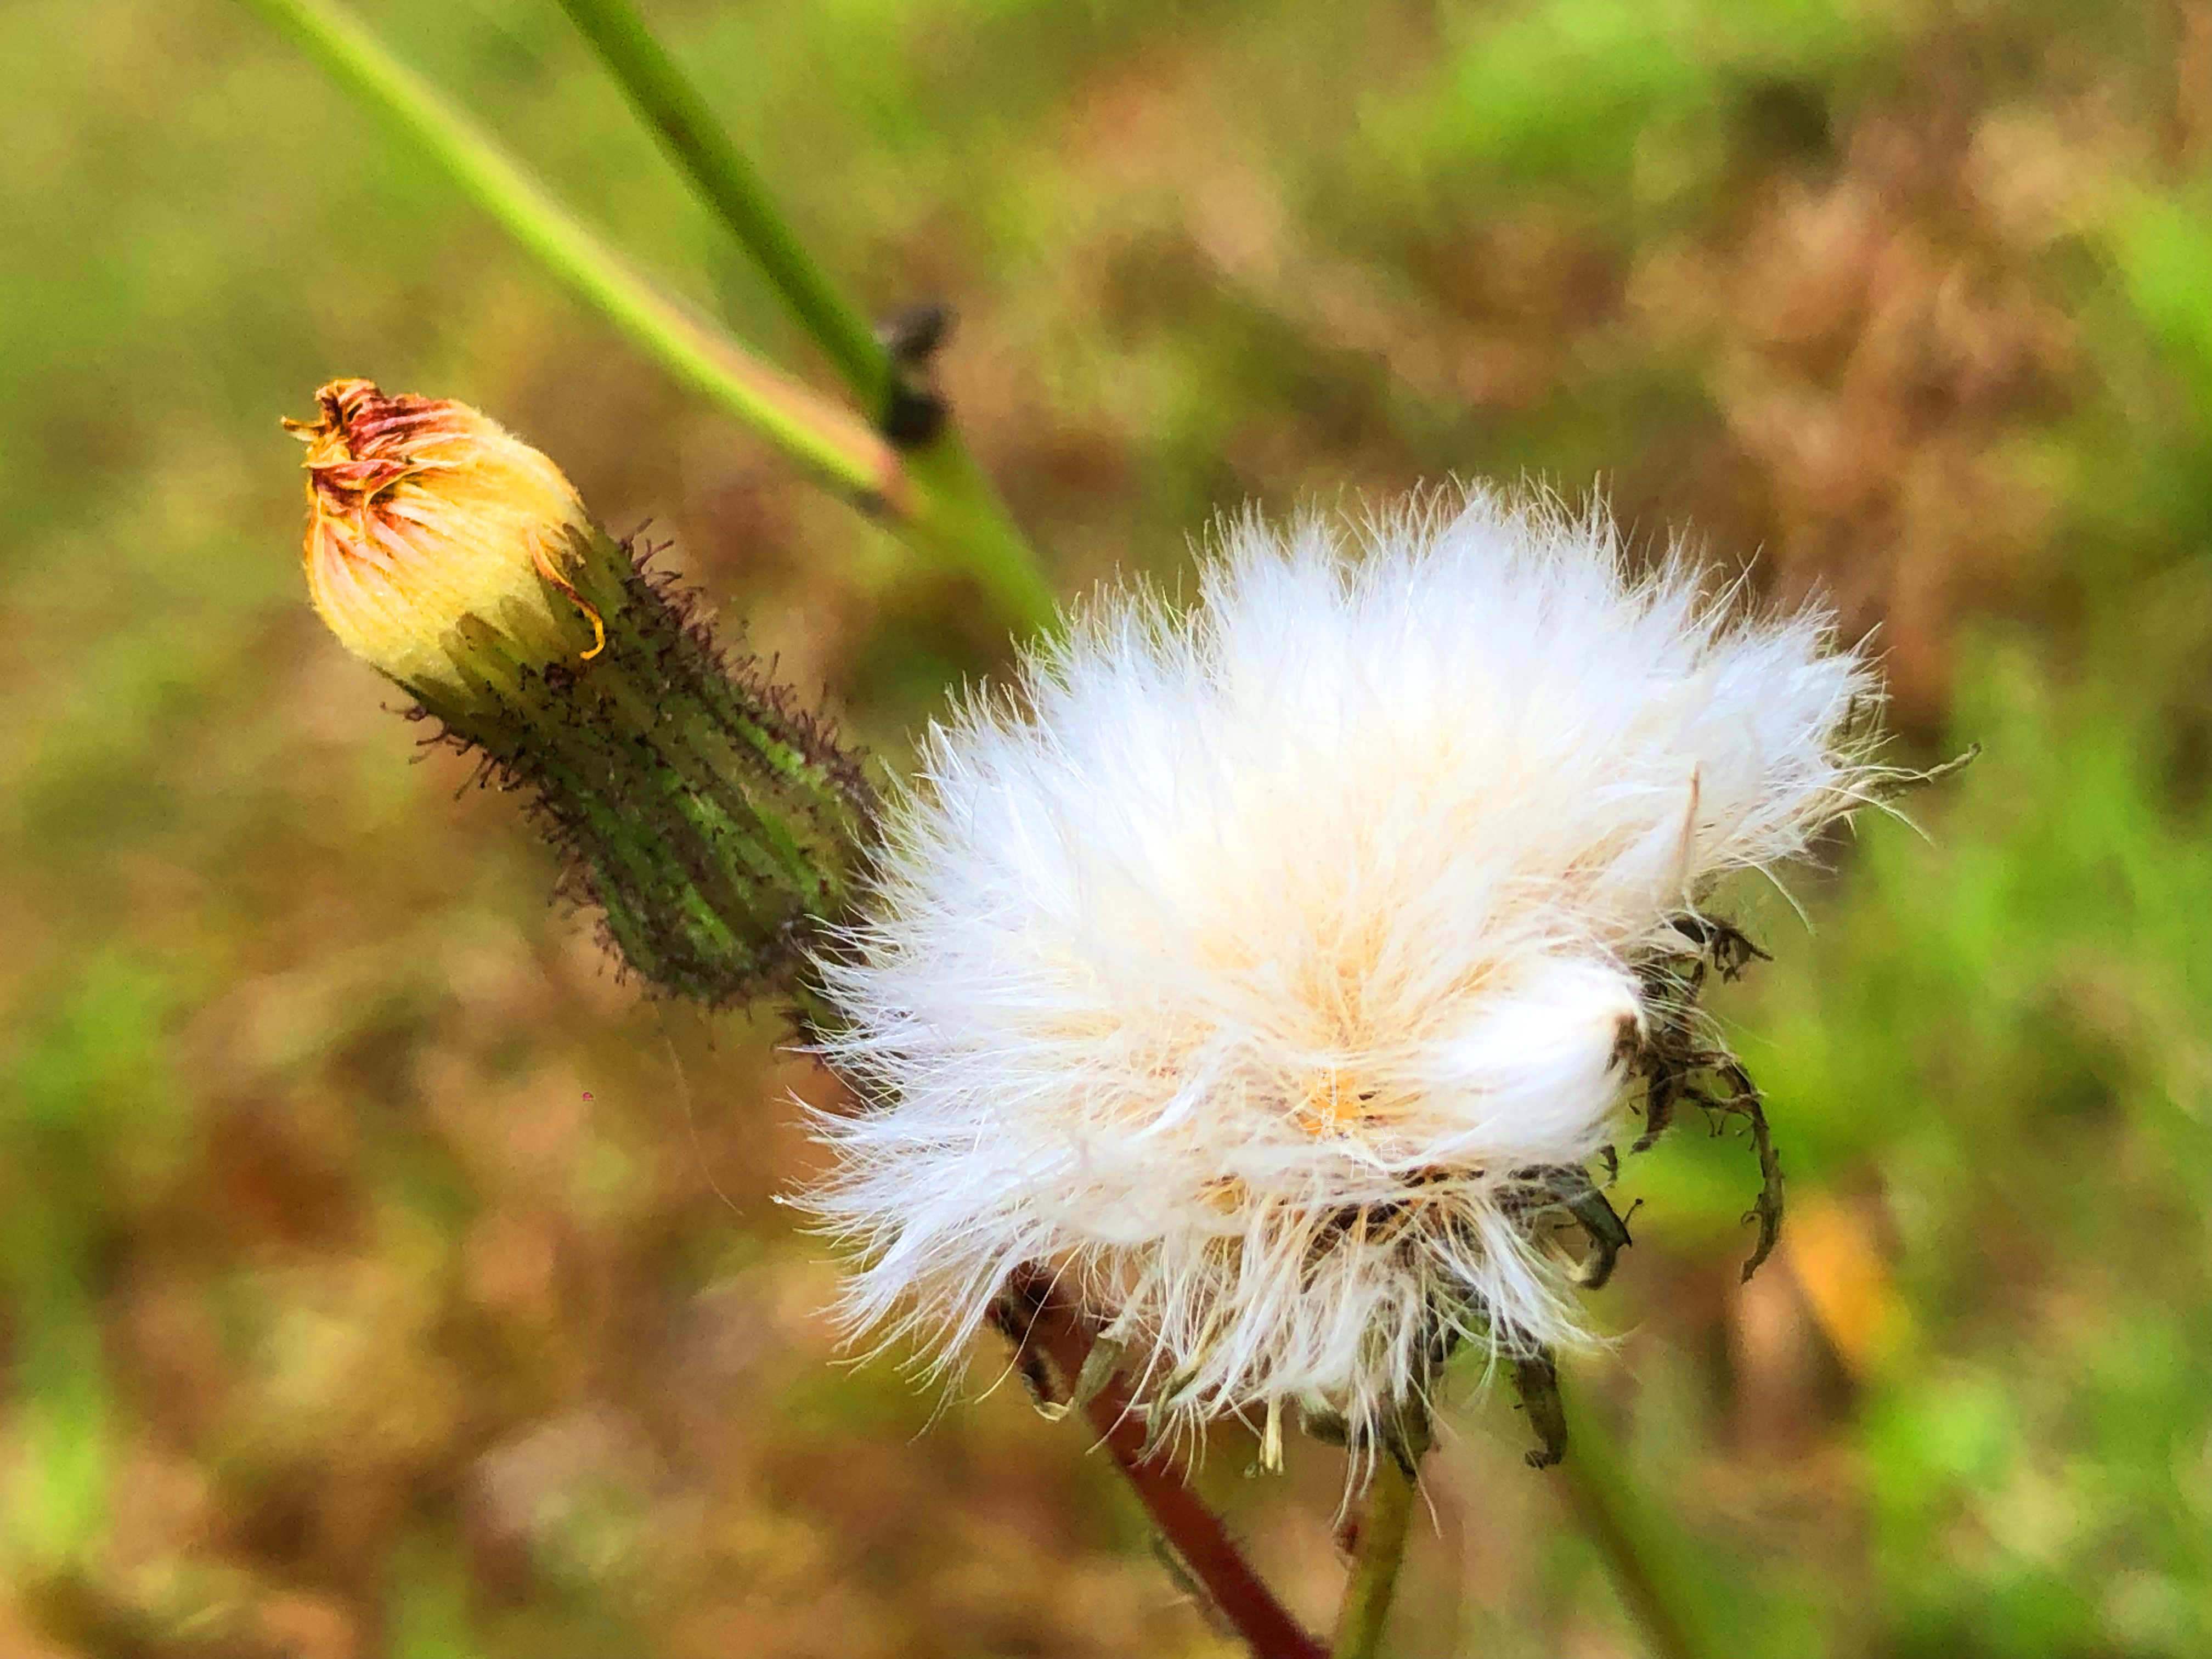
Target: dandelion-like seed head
1267 975
431 530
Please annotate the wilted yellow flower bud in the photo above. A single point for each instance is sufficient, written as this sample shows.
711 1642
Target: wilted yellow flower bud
424 515
715 822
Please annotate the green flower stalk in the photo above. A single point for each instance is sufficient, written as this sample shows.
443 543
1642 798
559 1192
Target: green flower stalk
715 823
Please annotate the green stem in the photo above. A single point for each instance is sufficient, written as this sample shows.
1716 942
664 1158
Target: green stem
676 112
962 518
833 441
1650 1575
959 515
1380 1551
937 496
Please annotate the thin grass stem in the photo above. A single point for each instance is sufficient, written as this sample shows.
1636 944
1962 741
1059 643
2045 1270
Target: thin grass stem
669 103
833 442
1649 1575
958 512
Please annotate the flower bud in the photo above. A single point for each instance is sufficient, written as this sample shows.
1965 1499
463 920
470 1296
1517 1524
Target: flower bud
433 533
714 823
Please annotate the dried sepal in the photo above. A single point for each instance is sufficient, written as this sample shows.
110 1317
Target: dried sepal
1536 1379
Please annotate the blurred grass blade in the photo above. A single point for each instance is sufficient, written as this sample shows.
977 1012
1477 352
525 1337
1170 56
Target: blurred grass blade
57 1484
937 496
829 439
959 511
427 1611
686 127
1651 1570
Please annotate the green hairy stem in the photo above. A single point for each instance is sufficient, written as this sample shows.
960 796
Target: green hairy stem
716 824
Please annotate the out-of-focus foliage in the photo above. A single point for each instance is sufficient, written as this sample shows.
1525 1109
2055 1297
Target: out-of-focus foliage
376 1276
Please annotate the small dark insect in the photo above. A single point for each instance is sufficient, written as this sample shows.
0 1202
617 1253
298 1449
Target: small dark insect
913 413
913 335
913 416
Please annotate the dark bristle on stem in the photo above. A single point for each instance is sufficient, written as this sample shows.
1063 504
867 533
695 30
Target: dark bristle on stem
714 821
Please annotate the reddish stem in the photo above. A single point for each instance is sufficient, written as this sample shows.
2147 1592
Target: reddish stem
1045 1328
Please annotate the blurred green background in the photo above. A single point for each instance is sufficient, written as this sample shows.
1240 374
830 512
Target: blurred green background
378 1276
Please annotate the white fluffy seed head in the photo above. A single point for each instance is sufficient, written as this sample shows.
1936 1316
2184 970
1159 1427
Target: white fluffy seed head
1242 968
